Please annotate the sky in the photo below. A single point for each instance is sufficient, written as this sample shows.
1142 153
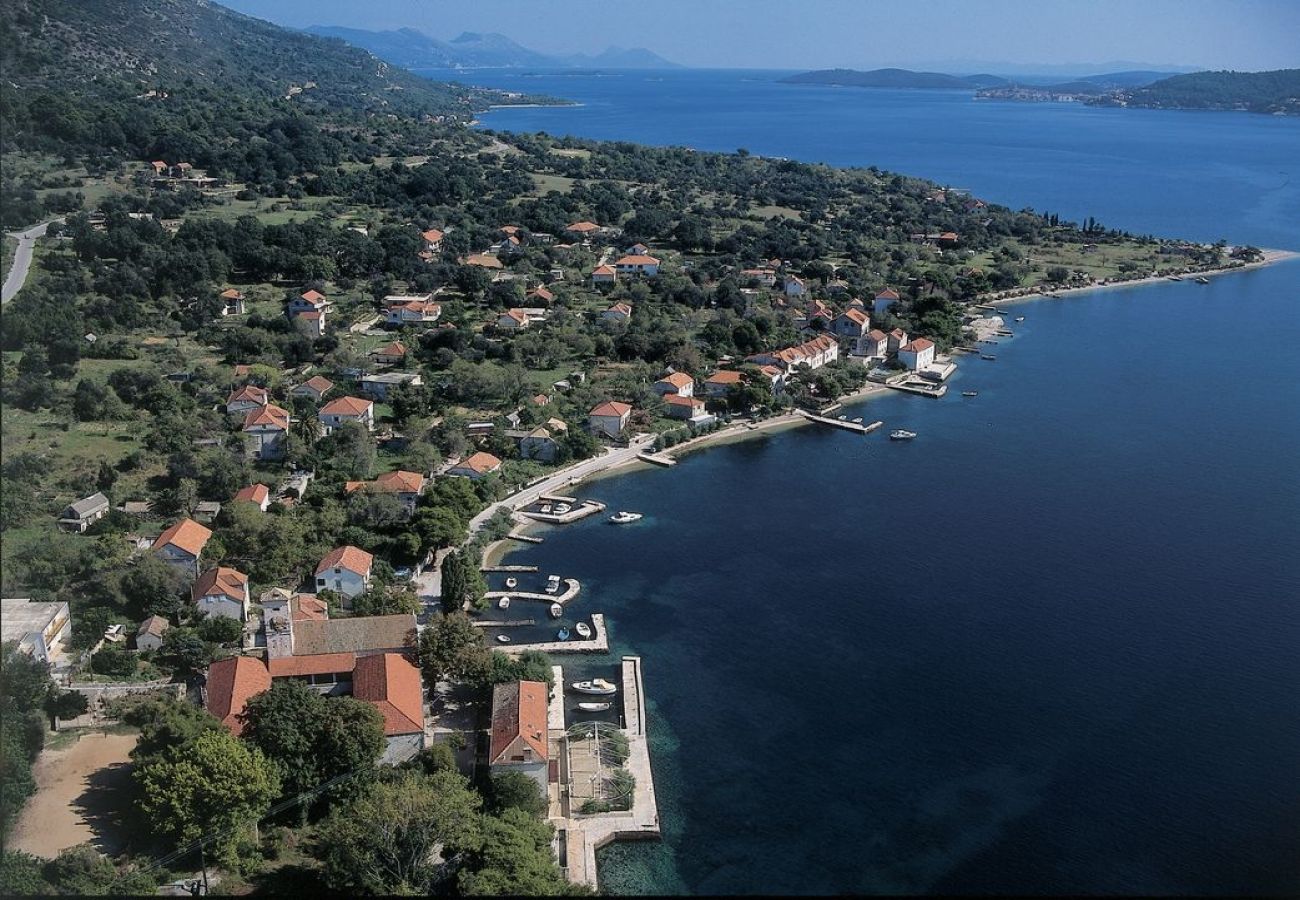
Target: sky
952 35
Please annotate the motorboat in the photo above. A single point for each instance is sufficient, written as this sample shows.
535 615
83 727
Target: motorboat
556 610
546 508
503 603
970 393
598 687
1020 318
562 508
623 517
857 420
583 629
901 434
503 638
1202 280
552 587
595 707
844 418
988 356
562 634
512 583
1175 278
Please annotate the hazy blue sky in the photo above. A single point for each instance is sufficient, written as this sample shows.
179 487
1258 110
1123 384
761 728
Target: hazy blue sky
958 34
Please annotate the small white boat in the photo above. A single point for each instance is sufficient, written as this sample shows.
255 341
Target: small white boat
556 610
552 587
546 508
503 638
562 508
583 629
1202 280
597 686
623 517
988 356
844 418
512 582
857 420
1020 318
970 393
901 434
503 603
595 707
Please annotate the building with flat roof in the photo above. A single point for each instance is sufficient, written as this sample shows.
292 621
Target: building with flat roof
39 629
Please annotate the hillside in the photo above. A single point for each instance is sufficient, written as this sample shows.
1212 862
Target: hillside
894 78
1276 91
470 50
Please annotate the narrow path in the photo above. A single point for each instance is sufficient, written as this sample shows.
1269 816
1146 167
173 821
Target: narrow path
17 275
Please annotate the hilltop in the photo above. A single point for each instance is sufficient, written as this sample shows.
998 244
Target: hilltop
471 50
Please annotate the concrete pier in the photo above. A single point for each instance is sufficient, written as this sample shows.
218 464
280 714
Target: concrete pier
507 623
657 459
598 643
581 511
838 423
571 589
508 568
923 390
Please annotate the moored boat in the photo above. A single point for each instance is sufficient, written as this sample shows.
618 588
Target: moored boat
988 356
970 393
596 686
512 582
901 434
1202 280
503 603
583 629
623 517
562 508
1020 318
503 638
594 707
556 610
546 508
562 634
857 420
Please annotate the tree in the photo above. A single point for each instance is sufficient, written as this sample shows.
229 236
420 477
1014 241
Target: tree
515 790
61 704
211 783
22 875
184 652
515 859
83 871
392 838
220 629
113 659
451 648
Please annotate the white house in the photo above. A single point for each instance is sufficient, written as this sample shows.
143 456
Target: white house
917 355
345 571
619 312
432 240
884 300
896 339
794 286
347 409
182 544
405 486
519 731
874 343
411 311
638 264
609 418
687 408
604 275
308 309
540 443
678 383
222 591
814 354
232 303
265 432
512 320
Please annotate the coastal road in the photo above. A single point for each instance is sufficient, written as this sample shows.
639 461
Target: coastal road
17 276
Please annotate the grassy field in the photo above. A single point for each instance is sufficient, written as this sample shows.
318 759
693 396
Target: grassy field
267 210
547 183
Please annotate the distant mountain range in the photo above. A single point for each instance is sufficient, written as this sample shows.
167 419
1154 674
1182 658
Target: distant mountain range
413 49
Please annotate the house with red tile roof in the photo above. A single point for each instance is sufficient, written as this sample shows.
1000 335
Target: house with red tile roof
637 264
308 309
182 544
619 312
794 286
432 240
519 731
266 430
609 418
406 486
717 384
413 312
345 571
483 261
258 494
392 685
604 274
813 354
232 302
884 300
347 409
222 591
540 294
875 343
852 323
246 398
686 408
476 466
314 388
149 636
390 354
675 383
231 683
917 355
512 320
582 230
896 339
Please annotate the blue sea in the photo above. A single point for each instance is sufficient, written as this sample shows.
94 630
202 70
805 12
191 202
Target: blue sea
1050 646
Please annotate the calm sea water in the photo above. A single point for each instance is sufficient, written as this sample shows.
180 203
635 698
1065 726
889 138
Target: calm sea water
1052 645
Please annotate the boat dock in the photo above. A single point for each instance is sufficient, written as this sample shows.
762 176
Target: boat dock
657 459
486 569
571 589
580 511
597 643
841 423
583 835
524 538
510 623
921 389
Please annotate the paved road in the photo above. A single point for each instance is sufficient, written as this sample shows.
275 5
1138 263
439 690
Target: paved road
17 276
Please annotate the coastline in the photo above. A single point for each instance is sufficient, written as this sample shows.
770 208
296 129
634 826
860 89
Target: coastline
1271 257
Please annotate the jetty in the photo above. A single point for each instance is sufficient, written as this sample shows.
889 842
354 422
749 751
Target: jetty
524 538
597 643
486 569
580 836
923 389
657 459
508 623
579 511
841 423
571 589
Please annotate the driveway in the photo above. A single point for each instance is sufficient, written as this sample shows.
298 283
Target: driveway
17 276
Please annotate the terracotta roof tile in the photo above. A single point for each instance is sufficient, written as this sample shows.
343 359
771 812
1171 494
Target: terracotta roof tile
360 634
315 664
187 535
518 712
611 408
269 416
231 684
392 684
346 406
354 559
254 493
220 581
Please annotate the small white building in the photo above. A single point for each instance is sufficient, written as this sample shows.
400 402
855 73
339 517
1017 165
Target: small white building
638 264
379 386
896 340
411 310
852 323
182 544
619 312
266 432
917 355
678 383
794 286
232 303
884 300
149 636
875 343
314 388
345 571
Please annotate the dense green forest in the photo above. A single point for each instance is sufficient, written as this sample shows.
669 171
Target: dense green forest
1277 91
